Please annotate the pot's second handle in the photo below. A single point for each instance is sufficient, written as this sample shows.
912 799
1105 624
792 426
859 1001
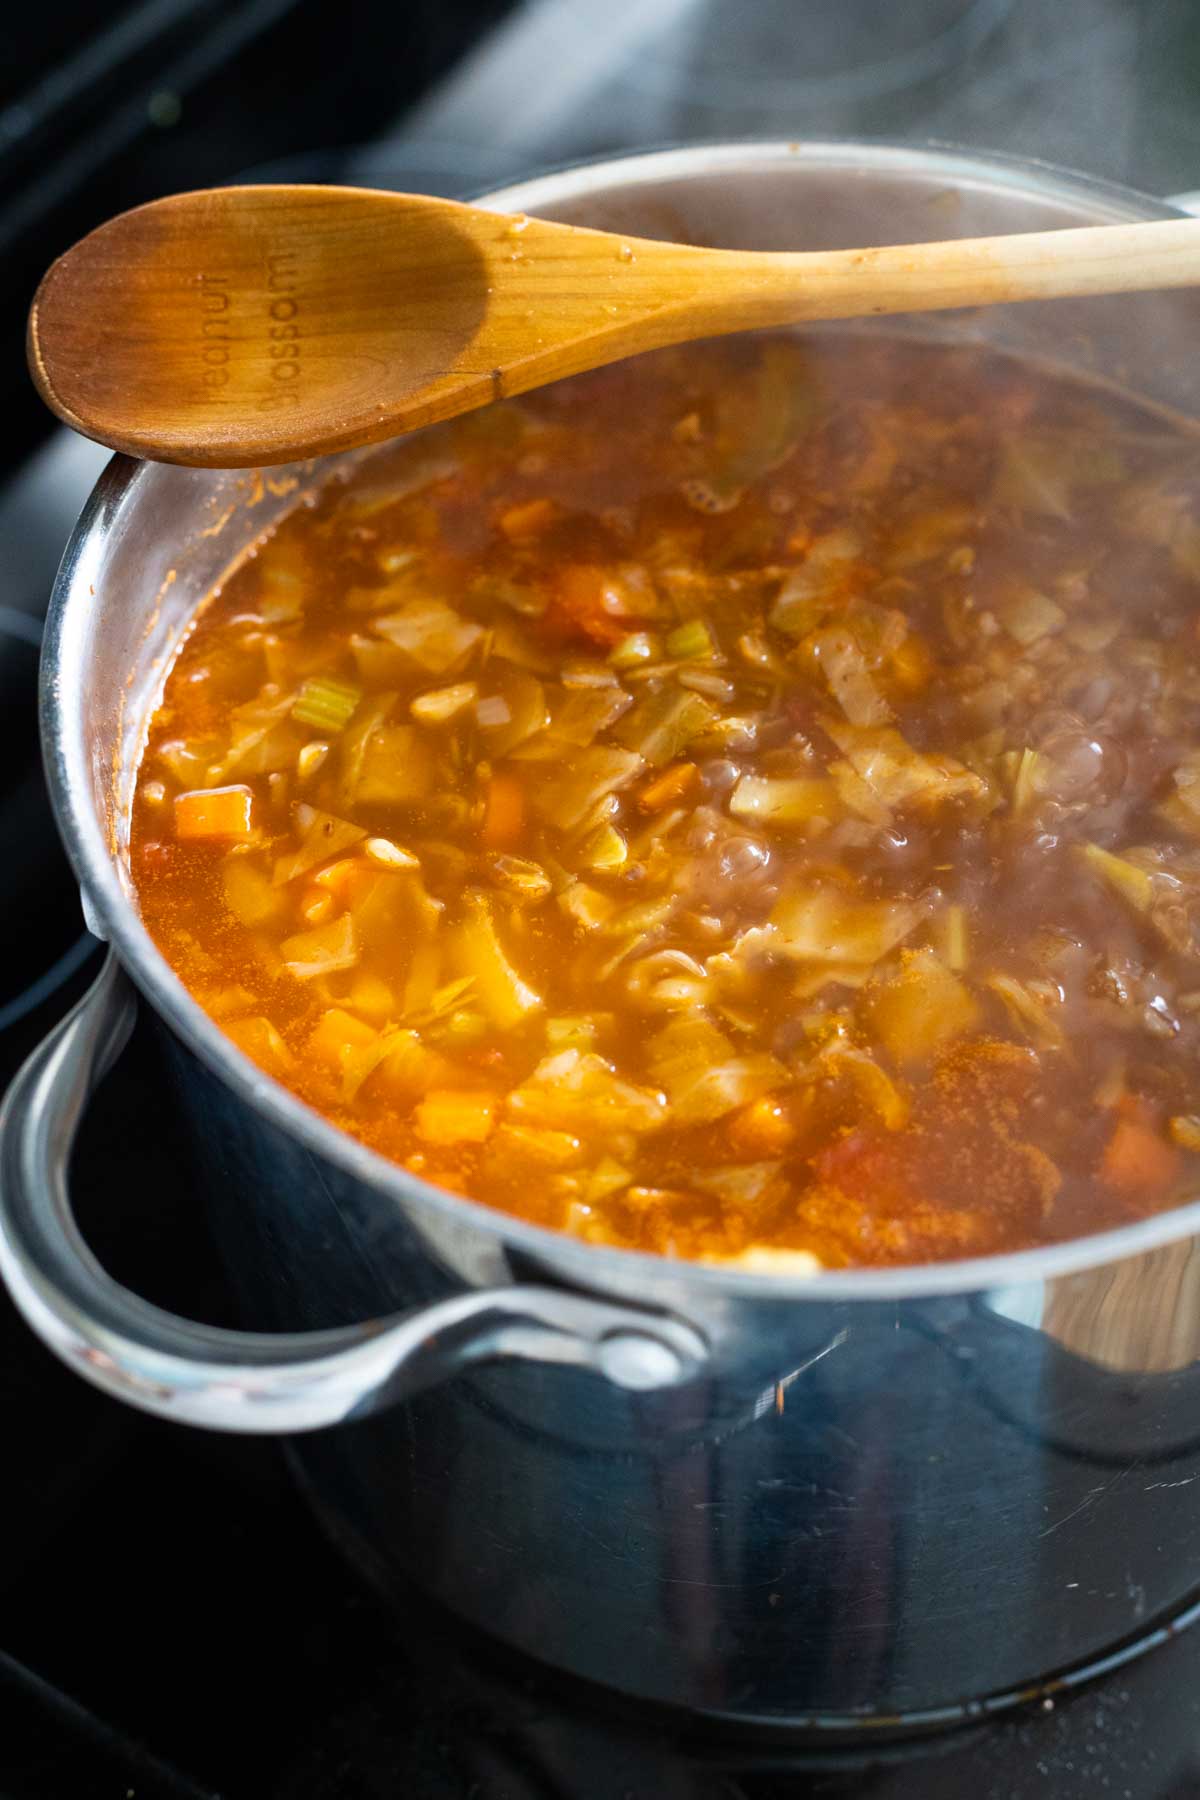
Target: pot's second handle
252 1381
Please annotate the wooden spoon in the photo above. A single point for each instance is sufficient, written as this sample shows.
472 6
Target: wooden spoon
242 326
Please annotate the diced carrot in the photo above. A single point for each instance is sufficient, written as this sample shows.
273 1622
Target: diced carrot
222 813
1138 1161
336 1033
504 812
527 518
673 784
452 1116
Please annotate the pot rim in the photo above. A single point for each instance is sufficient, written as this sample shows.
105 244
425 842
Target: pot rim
112 912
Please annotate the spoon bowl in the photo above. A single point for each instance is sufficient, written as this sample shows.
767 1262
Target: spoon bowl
236 327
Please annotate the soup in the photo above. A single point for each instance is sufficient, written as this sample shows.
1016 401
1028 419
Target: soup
743 804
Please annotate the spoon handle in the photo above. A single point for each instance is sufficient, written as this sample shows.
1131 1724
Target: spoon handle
784 288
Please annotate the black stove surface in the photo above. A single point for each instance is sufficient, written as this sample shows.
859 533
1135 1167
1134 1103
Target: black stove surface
172 1621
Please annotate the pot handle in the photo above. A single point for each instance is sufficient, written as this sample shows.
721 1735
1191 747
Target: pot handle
258 1381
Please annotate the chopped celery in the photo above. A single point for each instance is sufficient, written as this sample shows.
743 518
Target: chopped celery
325 703
691 642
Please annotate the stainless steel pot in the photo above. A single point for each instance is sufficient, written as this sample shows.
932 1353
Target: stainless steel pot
873 1497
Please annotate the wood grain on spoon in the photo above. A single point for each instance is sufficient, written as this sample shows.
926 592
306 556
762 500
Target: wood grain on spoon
243 326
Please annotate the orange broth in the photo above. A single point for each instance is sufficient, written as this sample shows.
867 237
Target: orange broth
743 802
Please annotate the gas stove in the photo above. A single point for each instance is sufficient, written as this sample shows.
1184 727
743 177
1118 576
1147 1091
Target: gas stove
172 1621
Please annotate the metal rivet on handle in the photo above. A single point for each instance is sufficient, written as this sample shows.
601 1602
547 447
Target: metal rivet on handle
631 1360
